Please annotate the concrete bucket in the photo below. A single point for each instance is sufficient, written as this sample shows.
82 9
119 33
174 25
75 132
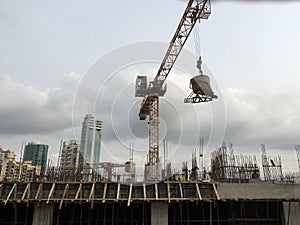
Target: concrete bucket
201 85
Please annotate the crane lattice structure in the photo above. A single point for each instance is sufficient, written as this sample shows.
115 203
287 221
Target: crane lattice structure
195 10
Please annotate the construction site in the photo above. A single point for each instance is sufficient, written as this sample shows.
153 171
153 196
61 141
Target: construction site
235 189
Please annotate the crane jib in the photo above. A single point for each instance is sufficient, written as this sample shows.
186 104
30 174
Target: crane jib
194 11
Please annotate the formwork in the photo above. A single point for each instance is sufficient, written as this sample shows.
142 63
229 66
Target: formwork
185 203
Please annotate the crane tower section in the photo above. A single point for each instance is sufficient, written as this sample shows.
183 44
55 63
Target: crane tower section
195 10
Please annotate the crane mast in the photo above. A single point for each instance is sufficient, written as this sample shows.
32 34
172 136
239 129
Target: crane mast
195 10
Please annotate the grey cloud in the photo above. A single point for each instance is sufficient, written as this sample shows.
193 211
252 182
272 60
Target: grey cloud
29 110
269 117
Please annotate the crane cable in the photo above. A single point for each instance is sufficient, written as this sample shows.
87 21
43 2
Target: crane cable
197 43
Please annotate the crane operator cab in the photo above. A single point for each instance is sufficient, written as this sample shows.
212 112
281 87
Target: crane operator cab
202 91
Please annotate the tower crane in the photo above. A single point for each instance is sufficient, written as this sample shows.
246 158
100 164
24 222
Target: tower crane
195 10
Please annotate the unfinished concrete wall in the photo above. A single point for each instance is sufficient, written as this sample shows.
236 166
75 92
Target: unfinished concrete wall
43 214
291 213
261 190
159 213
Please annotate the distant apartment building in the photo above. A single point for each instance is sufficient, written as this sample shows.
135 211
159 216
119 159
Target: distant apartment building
26 172
37 154
69 160
11 170
6 154
90 147
7 164
70 154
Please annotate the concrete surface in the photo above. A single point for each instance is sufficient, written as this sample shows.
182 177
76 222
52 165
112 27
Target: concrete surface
292 213
259 191
159 213
43 214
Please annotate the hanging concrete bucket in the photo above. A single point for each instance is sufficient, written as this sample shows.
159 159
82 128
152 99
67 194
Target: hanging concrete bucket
202 91
201 85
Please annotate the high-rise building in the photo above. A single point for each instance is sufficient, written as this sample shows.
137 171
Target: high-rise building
69 160
90 147
37 154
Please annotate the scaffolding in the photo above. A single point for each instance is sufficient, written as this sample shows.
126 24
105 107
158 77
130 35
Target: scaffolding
297 147
228 167
272 168
119 172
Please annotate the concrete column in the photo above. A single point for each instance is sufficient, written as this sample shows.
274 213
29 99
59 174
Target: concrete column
291 213
159 213
43 214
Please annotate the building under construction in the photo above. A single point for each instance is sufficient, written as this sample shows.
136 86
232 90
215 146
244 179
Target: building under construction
169 202
235 193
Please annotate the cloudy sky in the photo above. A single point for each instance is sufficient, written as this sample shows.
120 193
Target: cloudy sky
60 60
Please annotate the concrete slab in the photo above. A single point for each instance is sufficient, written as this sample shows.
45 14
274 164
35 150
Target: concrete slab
259 191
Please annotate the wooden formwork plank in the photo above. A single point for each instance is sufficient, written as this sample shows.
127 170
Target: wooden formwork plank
156 191
92 194
91 197
118 191
104 192
78 191
64 194
180 188
51 192
129 195
38 191
25 191
144 190
169 192
1 188
10 193
216 191
28 193
198 192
